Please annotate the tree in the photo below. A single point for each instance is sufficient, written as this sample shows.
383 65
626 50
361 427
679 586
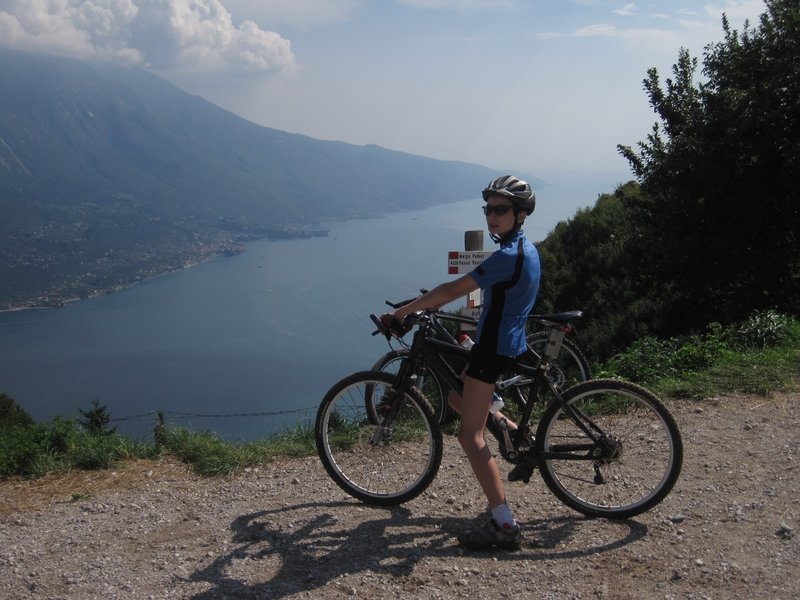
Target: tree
587 265
718 218
11 414
96 419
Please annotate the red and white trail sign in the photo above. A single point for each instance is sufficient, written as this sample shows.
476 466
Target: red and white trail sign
461 262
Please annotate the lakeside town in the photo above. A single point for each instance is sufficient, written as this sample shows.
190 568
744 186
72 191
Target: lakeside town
50 281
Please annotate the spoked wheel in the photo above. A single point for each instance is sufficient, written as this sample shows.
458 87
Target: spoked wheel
634 462
568 369
427 383
387 462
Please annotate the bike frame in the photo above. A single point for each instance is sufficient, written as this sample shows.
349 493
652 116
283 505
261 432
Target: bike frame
431 352
437 317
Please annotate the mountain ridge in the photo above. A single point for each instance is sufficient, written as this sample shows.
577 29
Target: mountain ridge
109 175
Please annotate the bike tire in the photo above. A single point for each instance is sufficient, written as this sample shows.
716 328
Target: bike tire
629 476
428 383
569 368
383 466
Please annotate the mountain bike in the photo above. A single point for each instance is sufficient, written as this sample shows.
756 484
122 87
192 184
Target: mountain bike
604 447
569 368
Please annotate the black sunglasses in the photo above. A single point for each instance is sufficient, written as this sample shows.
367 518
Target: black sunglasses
498 210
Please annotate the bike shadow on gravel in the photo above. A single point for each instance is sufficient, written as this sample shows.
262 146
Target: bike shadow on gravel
303 547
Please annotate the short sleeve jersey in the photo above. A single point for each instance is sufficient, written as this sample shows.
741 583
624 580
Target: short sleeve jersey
509 279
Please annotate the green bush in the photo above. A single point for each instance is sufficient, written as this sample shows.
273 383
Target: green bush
21 446
764 329
650 360
11 413
645 360
31 450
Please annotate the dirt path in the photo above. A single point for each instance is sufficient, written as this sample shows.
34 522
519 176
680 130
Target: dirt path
154 530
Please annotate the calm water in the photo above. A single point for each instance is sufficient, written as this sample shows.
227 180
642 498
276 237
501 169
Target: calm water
267 331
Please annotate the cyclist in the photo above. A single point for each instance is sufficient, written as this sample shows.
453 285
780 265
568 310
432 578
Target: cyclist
509 278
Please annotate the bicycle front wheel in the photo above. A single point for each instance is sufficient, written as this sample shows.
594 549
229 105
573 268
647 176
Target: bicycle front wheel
628 465
387 462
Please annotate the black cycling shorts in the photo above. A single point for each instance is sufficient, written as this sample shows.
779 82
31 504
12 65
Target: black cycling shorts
488 366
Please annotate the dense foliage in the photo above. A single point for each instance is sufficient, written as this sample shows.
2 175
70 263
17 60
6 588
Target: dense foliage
711 234
586 266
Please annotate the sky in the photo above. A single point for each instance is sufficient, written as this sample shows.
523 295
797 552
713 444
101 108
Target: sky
534 86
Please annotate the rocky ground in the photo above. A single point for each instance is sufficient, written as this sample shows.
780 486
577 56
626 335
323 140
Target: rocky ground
154 530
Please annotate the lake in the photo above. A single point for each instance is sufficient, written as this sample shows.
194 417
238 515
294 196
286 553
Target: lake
245 345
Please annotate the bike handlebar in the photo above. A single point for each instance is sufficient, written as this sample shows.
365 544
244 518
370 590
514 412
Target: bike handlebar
397 305
389 329
549 319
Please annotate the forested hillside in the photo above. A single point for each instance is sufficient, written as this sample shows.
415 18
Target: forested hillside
711 231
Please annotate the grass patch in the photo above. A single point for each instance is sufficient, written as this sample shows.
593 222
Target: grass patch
32 450
210 455
753 372
759 356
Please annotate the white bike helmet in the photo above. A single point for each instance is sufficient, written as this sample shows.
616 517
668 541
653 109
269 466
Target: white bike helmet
513 188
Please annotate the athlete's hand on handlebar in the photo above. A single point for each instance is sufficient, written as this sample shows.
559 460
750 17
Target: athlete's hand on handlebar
394 325
390 326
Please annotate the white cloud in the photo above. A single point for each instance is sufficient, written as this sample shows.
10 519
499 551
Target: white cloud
193 35
86 30
735 9
301 14
606 30
627 10
711 13
458 4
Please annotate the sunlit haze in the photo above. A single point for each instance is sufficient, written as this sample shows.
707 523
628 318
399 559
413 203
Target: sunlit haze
532 85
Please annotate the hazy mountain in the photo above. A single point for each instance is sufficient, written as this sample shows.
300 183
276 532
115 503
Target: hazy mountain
109 175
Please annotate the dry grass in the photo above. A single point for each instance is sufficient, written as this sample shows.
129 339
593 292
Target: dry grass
20 495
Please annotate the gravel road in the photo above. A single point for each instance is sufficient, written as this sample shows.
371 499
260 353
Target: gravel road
284 530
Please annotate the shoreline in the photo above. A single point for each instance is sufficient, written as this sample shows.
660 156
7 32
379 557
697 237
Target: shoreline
227 249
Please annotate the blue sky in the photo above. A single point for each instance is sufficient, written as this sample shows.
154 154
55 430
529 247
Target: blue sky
537 86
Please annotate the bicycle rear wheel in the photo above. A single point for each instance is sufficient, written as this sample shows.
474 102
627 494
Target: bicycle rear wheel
427 383
384 463
569 368
630 469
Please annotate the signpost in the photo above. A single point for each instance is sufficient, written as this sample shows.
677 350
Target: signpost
462 262
473 312
459 263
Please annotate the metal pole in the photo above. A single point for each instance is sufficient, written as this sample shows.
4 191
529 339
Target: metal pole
473 240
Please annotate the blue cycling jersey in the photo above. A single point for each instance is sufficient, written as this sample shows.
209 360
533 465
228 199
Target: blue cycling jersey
509 279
